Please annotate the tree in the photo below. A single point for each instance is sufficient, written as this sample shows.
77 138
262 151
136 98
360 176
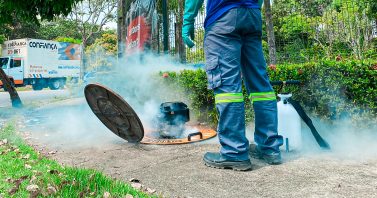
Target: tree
59 27
270 32
90 16
17 29
102 53
30 10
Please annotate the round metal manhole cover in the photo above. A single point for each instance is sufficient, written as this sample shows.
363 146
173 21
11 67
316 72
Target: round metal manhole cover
114 112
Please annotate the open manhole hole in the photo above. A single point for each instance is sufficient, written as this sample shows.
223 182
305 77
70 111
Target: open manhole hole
169 126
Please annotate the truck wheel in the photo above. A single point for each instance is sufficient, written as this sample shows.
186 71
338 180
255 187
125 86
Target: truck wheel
56 84
37 87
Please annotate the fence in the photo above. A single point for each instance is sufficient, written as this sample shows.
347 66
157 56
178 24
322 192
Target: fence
303 30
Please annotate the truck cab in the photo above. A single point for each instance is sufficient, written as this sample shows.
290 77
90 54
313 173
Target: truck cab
14 69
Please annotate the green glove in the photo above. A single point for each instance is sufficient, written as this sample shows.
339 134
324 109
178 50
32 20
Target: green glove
260 2
191 11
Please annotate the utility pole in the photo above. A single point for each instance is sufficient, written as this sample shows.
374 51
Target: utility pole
270 32
7 83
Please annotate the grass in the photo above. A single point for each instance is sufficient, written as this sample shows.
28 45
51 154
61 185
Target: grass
21 165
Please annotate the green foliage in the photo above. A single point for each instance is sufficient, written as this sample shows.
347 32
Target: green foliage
68 40
2 39
59 27
331 90
102 53
29 10
17 29
316 29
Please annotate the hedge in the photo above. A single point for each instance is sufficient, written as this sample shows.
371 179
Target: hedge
331 90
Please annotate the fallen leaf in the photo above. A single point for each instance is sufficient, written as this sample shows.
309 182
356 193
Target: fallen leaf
27 156
134 180
91 177
34 194
106 195
14 189
32 188
13 148
17 184
22 178
17 151
37 173
151 191
51 190
5 141
136 185
128 196
27 166
53 172
92 193
33 178
9 180
52 152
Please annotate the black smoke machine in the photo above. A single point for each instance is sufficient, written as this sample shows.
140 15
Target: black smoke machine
171 119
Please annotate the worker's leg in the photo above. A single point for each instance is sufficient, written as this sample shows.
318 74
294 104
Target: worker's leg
258 85
223 55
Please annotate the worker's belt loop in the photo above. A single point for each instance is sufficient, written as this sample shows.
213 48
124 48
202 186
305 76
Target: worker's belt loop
228 97
262 96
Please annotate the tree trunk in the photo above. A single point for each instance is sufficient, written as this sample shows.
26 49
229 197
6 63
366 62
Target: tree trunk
180 46
270 32
121 27
16 101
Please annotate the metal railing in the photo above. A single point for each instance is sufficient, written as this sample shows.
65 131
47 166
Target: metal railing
304 31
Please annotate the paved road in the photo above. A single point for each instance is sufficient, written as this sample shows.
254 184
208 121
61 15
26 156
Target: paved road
33 96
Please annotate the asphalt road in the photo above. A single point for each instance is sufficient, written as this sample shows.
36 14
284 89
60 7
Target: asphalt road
33 96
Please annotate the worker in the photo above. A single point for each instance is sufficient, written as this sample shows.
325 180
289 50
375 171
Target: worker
233 51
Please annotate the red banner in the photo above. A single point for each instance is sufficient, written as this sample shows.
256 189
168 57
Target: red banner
140 19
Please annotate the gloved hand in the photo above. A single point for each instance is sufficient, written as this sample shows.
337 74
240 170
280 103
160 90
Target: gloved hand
260 2
191 11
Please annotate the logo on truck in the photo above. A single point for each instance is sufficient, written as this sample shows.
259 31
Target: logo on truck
16 44
51 46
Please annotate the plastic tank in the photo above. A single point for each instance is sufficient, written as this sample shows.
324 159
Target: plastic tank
289 124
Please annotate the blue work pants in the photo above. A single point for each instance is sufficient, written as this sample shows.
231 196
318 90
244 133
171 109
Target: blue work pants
233 51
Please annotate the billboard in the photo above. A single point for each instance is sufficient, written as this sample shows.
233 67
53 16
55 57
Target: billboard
141 25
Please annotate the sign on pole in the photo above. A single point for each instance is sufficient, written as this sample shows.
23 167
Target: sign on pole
141 25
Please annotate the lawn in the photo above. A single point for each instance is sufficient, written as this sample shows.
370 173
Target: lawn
26 173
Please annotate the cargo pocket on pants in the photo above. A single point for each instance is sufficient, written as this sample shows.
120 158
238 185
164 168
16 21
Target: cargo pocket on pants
213 73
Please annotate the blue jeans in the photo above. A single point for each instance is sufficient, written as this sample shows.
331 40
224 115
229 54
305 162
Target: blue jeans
233 50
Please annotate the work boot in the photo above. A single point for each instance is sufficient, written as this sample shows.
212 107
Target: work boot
216 160
273 158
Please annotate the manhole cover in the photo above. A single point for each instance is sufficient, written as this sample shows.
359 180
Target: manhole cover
114 112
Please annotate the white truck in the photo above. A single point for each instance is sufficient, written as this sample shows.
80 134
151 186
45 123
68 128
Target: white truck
40 63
